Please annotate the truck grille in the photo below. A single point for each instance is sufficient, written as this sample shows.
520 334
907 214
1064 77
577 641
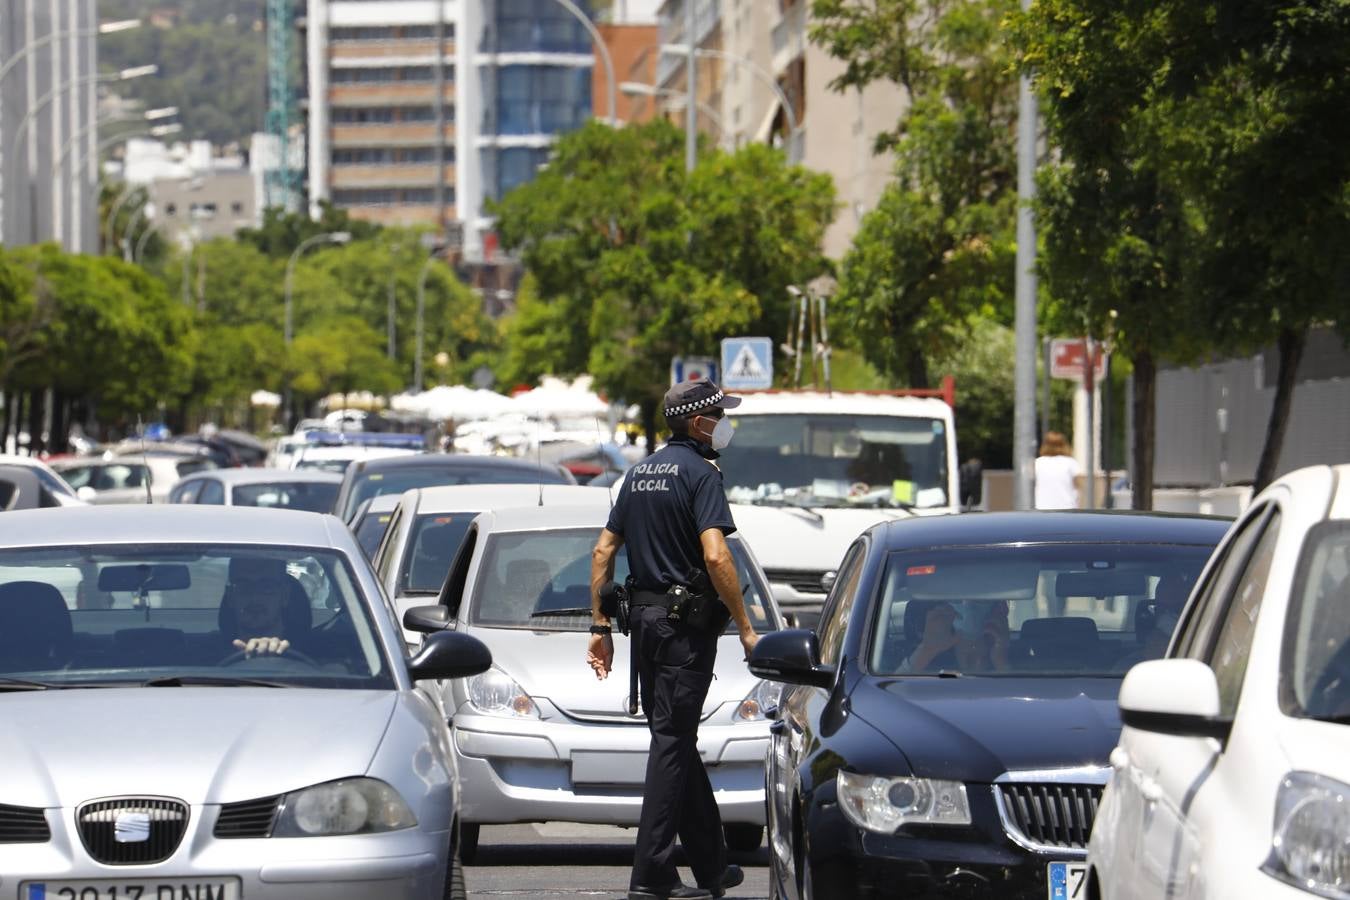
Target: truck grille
247 819
801 582
1049 816
23 825
132 830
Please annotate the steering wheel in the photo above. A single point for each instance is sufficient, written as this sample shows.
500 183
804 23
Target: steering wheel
291 653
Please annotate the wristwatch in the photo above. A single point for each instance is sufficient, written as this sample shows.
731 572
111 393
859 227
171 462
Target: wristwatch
601 629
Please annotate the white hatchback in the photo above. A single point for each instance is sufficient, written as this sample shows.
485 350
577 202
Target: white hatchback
1232 776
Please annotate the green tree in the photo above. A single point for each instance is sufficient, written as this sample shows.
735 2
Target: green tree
281 232
642 262
340 355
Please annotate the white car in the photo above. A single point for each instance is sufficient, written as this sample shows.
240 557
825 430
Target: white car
122 479
28 483
1232 776
537 738
427 526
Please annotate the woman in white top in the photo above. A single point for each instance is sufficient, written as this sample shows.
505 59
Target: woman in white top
1056 474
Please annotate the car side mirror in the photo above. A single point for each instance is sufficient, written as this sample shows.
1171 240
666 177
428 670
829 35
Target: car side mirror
427 619
449 654
1178 697
791 656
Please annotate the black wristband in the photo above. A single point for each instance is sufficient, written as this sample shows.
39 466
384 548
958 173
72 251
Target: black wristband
601 629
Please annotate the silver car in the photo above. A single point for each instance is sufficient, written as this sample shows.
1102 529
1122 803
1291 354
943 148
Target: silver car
147 756
537 737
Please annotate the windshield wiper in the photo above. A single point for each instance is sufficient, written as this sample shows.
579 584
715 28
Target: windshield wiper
210 681
19 684
569 611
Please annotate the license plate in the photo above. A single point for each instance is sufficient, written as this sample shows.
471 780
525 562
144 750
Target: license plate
608 768
1068 880
146 889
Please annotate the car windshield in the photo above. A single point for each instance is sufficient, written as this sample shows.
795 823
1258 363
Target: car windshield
73 616
1052 609
371 530
837 460
395 481
1315 663
433 542
542 580
311 496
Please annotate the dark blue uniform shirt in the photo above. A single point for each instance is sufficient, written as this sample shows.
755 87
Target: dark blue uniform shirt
666 502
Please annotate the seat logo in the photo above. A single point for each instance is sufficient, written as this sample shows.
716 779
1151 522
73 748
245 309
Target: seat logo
131 827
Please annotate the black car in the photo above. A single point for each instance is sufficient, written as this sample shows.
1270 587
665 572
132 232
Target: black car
369 478
953 712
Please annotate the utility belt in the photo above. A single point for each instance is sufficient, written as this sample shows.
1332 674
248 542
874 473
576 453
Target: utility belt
695 605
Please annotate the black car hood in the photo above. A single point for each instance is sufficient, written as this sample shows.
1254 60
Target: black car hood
975 729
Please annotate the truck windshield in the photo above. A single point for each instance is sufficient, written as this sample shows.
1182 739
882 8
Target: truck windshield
837 460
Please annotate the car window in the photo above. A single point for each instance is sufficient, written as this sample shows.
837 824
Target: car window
370 484
370 530
212 492
1233 645
309 496
1315 661
189 466
52 482
1039 609
432 546
78 476
384 555
187 493
834 621
542 580
1202 616
129 613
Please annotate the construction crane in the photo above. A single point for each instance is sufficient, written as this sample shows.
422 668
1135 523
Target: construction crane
282 180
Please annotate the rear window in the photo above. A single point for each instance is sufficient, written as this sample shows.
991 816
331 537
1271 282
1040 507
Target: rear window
542 580
309 496
1060 609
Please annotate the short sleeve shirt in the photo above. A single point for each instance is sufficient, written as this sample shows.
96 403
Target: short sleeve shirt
666 502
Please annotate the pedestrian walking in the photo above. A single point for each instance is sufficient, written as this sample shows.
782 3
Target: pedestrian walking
672 518
1057 474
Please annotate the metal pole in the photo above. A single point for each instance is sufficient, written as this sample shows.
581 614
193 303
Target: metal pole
140 245
1108 422
1024 371
825 344
801 330
1090 384
438 105
393 306
691 83
1045 387
421 311
131 227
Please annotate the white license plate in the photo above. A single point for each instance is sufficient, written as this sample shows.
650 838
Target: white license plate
1068 880
147 889
590 767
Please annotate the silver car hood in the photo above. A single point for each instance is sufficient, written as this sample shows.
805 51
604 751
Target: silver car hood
200 745
551 666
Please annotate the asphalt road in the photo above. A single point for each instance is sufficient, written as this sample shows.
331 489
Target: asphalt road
558 861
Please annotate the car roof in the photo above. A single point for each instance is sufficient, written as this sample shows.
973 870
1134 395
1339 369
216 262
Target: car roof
546 518
169 523
267 476
982 529
466 497
838 403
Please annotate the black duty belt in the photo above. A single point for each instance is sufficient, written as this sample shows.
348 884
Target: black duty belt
649 598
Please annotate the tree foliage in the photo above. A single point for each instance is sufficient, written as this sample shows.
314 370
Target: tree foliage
634 261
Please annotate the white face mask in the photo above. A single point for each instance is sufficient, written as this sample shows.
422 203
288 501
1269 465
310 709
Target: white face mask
721 435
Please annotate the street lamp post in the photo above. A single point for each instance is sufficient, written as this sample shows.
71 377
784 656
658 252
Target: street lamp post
77 166
330 237
638 89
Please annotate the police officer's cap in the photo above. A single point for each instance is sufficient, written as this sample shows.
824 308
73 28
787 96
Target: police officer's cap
695 397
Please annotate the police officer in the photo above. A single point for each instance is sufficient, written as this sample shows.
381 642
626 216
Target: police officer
673 518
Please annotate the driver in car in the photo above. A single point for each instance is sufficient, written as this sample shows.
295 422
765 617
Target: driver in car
253 608
968 636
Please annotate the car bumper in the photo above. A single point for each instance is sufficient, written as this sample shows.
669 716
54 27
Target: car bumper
402 865
533 771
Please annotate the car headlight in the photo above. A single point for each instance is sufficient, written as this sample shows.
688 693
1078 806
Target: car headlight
350 806
497 694
883 804
1311 845
760 701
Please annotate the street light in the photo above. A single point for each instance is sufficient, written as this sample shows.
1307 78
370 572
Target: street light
754 69
638 89
331 237
33 46
151 115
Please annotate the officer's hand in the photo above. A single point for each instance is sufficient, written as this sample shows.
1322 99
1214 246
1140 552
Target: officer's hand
748 640
600 655
265 646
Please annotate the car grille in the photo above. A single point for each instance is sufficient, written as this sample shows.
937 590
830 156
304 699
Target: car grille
23 825
1049 816
248 819
801 582
98 825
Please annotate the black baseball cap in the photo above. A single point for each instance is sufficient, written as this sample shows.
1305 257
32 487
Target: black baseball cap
689 398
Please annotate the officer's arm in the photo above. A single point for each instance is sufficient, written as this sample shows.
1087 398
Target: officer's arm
722 570
602 570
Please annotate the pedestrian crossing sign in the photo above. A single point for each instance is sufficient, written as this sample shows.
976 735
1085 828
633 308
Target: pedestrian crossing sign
747 363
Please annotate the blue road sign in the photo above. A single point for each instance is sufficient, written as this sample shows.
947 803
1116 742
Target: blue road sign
747 363
685 368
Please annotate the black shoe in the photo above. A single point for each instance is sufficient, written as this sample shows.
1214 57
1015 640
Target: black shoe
677 891
731 876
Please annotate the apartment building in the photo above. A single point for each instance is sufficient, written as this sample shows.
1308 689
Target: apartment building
423 111
749 47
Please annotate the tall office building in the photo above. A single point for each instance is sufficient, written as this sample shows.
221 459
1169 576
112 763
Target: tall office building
402 133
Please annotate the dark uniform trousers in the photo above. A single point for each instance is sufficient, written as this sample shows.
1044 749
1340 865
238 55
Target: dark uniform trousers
675 668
